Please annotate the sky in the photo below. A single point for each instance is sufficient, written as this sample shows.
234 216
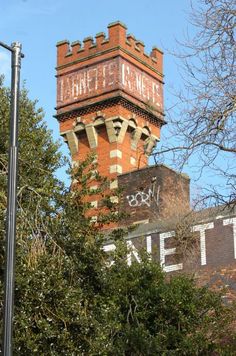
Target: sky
40 24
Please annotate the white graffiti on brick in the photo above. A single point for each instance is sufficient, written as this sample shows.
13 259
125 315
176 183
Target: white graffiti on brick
143 197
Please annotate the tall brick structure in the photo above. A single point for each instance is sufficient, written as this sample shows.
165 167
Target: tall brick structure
110 102
110 99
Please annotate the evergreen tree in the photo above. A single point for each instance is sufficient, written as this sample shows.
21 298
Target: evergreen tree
39 159
69 299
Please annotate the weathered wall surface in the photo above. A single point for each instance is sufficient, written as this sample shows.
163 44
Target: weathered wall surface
105 77
103 67
154 192
210 257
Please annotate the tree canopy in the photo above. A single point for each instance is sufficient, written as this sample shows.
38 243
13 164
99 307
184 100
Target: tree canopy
69 299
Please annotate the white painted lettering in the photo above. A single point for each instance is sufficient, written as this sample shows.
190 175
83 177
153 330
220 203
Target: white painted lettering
138 79
133 251
105 75
109 248
202 229
61 89
232 221
123 74
143 87
126 76
155 94
75 87
67 91
166 252
149 245
111 74
92 79
82 83
108 75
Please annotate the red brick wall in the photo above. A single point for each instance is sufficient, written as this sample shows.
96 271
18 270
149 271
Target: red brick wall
114 78
211 256
153 193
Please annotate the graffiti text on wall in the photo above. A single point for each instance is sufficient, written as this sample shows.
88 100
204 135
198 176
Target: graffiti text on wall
143 197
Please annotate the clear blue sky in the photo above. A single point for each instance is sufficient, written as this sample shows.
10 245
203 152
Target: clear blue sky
40 24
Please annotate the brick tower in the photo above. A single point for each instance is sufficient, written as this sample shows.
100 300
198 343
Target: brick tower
110 100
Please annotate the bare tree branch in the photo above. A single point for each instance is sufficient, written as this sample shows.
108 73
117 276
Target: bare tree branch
205 125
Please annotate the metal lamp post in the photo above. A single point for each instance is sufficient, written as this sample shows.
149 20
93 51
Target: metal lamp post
16 56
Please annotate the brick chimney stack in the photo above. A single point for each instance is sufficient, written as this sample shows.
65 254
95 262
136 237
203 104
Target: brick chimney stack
110 100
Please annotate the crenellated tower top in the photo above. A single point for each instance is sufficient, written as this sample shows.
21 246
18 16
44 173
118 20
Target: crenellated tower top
108 67
110 99
75 52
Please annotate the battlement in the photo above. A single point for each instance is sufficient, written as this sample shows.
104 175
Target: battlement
117 40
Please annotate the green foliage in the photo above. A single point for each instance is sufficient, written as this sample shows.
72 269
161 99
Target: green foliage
38 161
69 299
159 316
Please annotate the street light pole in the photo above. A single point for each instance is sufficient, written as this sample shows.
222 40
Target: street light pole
16 56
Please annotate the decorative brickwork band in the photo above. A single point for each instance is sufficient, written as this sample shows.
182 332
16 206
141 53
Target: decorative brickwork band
116 129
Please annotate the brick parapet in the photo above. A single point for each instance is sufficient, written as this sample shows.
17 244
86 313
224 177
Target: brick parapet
68 54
